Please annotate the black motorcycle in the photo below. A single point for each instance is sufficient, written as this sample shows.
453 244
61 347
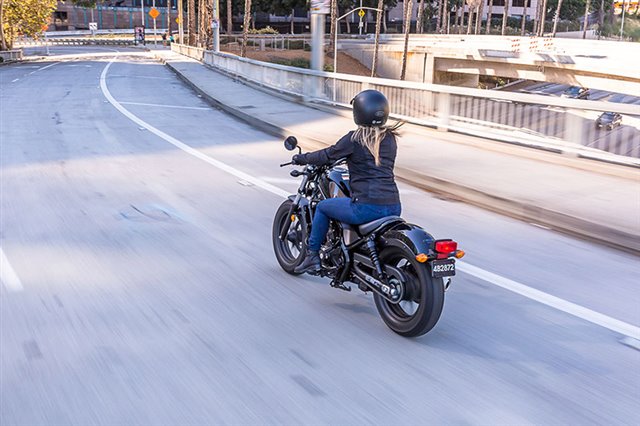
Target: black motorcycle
407 270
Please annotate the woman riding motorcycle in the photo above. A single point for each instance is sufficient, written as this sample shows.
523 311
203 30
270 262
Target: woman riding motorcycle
370 151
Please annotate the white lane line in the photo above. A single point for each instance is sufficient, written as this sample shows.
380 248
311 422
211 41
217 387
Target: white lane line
165 106
528 292
553 301
140 76
48 66
8 275
186 148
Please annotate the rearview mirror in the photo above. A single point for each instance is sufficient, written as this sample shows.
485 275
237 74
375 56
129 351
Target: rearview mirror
290 143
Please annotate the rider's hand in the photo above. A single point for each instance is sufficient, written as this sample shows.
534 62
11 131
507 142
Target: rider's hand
299 159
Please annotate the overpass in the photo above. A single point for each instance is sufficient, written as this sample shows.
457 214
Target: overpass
462 59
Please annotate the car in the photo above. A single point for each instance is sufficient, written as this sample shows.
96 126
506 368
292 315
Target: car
608 120
576 92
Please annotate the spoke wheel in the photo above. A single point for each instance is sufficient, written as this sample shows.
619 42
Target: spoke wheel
423 298
289 252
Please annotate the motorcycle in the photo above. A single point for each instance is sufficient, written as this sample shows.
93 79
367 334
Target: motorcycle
405 268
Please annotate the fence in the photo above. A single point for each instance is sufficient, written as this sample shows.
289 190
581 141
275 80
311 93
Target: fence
564 125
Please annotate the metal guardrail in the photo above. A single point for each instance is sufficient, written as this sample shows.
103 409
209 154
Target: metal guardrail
563 125
76 42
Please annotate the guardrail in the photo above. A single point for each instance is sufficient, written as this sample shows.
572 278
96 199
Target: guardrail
559 124
76 42
11 55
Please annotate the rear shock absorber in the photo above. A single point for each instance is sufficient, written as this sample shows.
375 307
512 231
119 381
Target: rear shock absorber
373 255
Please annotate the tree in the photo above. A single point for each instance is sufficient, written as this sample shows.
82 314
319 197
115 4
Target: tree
505 15
229 17
479 17
245 28
168 19
24 17
377 42
191 13
333 29
543 17
3 43
407 28
586 19
489 13
420 18
524 18
555 18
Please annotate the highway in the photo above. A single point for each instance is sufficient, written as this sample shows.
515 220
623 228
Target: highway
139 285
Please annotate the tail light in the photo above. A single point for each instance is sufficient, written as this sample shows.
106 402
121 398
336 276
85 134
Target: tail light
445 246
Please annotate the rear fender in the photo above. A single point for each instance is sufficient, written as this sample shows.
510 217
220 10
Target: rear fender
410 237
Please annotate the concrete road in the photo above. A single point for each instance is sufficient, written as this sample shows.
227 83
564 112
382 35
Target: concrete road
139 284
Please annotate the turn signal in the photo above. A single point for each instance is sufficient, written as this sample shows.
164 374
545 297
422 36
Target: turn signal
460 254
422 258
446 246
293 218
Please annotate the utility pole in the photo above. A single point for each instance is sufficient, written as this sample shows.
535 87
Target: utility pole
155 36
141 13
215 25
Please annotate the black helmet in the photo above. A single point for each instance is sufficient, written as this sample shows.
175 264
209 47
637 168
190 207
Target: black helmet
370 108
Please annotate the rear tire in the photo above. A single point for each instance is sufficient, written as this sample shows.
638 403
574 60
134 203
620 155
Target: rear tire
291 251
423 298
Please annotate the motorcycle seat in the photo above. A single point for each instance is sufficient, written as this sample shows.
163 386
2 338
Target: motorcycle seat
369 227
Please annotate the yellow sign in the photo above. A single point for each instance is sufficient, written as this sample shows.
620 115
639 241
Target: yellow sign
361 13
154 13
177 20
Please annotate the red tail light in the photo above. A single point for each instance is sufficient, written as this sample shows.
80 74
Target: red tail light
446 246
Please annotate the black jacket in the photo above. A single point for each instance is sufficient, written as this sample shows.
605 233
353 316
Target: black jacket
370 184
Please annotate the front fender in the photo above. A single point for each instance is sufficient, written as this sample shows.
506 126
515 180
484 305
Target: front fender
411 237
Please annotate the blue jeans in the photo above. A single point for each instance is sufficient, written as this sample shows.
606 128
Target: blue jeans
344 210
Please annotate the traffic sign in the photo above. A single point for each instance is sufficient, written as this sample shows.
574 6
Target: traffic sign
93 26
361 13
177 20
154 13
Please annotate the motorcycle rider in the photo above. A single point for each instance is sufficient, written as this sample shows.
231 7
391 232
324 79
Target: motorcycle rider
371 152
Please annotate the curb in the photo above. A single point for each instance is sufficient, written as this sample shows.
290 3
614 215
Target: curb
531 213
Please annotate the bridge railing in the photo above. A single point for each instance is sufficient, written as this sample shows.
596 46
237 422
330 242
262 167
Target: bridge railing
559 124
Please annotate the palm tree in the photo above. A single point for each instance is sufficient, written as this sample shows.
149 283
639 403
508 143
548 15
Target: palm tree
586 19
543 17
505 15
420 17
479 16
4 43
245 27
332 31
407 28
229 17
555 18
181 21
489 13
377 42
524 17
191 13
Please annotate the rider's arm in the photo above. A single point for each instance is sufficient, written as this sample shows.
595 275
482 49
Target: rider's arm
342 148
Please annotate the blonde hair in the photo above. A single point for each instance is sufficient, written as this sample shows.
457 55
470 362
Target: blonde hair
371 137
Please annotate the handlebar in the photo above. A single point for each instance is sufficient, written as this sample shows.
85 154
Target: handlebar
286 164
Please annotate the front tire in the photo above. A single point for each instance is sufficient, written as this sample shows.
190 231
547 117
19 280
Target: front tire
423 298
291 251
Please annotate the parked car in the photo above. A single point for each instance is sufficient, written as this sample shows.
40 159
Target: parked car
608 120
576 92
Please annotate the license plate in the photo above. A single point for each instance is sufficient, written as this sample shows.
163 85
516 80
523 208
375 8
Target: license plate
443 268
